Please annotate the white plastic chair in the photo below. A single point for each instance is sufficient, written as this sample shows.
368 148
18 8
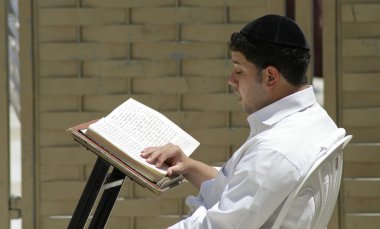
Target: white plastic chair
328 167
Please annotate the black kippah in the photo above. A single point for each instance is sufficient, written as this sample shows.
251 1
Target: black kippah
276 29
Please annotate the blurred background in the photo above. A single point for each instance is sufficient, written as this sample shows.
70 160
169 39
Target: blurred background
64 62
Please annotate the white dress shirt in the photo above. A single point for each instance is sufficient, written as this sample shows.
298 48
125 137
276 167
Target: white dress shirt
286 138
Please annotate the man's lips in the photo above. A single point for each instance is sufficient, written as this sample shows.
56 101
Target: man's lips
236 92
238 95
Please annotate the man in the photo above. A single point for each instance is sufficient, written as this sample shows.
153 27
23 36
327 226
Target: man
289 132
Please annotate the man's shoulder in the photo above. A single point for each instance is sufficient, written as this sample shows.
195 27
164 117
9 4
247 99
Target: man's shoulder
299 145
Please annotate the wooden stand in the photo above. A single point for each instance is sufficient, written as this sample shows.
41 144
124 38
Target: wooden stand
96 181
111 184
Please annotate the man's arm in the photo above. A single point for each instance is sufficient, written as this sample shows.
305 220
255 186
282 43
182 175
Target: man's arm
199 172
194 171
247 199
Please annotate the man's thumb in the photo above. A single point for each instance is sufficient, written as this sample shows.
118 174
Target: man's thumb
173 170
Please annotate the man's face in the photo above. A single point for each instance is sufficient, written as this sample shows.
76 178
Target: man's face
246 81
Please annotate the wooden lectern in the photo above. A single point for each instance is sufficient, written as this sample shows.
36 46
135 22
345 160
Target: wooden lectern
110 182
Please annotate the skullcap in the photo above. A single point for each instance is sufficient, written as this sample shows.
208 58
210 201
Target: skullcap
276 29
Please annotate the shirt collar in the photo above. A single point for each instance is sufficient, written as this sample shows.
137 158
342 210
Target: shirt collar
282 108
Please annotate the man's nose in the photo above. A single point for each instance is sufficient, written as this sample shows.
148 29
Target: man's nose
232 80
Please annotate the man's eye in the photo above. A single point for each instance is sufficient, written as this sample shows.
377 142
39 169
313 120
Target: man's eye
239 72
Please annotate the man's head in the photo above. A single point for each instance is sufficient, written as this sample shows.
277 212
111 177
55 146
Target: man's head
278 41
276 47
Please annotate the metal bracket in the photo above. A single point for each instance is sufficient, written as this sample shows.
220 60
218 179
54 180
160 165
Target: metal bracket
113 184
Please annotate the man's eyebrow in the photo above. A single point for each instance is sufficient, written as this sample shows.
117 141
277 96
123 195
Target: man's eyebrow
235 62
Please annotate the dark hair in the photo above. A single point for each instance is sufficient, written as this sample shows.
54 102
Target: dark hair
291 62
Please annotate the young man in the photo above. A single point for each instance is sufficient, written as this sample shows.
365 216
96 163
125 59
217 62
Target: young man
289 132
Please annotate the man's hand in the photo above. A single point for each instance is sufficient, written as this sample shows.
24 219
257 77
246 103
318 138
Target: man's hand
194 171
170 154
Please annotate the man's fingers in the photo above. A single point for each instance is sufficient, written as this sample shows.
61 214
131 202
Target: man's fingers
161 158
160 155
157 157
173 170
153 156
148 151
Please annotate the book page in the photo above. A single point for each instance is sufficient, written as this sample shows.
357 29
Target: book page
133 126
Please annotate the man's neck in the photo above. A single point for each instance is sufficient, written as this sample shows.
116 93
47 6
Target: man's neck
288 89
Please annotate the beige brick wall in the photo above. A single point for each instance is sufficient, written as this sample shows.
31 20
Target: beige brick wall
169 54
91 55
359 99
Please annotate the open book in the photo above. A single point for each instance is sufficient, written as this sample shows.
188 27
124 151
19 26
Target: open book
132 127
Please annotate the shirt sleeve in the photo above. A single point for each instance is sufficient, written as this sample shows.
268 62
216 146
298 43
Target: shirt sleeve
256 188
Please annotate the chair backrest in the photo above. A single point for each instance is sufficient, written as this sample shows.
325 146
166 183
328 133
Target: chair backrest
323 181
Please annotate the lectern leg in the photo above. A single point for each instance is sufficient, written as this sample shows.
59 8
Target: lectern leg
89 194
111 190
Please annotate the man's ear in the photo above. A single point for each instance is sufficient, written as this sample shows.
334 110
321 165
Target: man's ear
272 76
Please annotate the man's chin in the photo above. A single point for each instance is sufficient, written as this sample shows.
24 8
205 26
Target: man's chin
241 103
244 107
